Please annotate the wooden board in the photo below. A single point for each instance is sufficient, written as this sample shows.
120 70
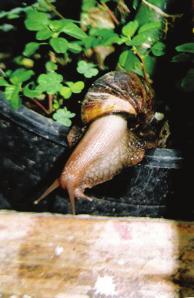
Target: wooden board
56 256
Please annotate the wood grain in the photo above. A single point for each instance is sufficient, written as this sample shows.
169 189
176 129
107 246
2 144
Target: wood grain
44 255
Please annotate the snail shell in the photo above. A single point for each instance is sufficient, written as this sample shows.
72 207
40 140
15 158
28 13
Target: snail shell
117 92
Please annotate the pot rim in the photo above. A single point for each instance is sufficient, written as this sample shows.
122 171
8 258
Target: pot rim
34 122
55 132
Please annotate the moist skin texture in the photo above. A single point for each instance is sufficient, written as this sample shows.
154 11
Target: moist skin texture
107 147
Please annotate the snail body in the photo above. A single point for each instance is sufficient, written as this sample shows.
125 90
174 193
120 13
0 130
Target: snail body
108 144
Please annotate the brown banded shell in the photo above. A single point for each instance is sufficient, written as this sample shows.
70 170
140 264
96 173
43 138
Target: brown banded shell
115 92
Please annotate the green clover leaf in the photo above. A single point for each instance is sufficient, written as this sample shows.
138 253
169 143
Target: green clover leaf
130 29
63 116
186 47
12 95
158 49
89 70
50 82
36 20
31 48
51 66
21 75
76 87
59 45
65 92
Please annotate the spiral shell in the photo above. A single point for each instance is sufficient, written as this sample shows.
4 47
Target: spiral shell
117 92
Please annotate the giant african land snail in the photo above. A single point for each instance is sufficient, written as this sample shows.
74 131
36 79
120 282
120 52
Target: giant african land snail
108 144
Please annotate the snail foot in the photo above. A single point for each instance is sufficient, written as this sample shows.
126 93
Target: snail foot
80 195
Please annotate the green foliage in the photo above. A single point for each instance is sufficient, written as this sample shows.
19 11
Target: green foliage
60 38
186 56
20 75
63 116
77 87
143 43
186 48
187 82
89 70
32 93
50 82
158 49
36 21
129 29
129 61
57 44
12 95
31 48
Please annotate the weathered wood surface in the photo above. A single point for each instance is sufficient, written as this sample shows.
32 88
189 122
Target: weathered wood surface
44 255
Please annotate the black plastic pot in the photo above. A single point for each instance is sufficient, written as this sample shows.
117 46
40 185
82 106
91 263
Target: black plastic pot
33 151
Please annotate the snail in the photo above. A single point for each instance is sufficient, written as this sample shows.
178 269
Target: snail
108 145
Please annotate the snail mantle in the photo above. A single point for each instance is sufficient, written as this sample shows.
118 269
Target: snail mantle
33 150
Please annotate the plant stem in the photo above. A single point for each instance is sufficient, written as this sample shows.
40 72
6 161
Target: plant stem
53 8
150 11
113 17
50 103
145 74
41 106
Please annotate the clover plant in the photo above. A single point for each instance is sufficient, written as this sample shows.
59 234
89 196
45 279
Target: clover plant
40 75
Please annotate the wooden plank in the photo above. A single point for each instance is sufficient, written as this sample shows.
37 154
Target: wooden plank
57 256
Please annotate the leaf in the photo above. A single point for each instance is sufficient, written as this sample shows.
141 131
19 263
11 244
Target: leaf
158 49
130 62
74 47
31 93
149 64
6 27
89 70
103 36
50 83
186 47
67 27
77 87
130 29
59 45
150 26
43 34
31 48
12 95
42 5
63 116
51 66
36 20
3 14
65 92
87 4
73 30
15 13
23 61
135 4
187 81
56 104
140 39
182 57
21 75
3 82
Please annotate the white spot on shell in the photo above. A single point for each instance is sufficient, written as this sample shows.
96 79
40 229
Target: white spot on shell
105 286
121 262
159 116
58 250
